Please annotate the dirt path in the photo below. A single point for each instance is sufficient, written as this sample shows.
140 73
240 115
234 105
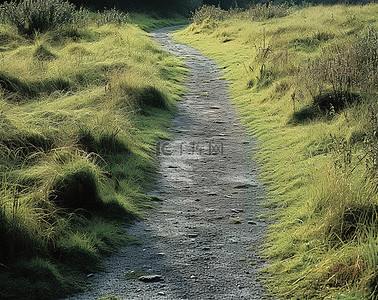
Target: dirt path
203 238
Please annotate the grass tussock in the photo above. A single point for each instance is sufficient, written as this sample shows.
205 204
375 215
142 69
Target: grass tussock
38 15
81 108
305 83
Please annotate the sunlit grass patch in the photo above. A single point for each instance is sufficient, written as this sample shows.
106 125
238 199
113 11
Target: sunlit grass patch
305 87
81 109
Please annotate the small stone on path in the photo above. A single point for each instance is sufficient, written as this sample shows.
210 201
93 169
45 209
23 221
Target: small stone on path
244 185
235 220
151 278
212 194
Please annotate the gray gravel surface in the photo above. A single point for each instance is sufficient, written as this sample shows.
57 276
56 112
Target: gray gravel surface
202 239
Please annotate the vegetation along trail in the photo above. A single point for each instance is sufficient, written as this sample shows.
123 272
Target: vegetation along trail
203 237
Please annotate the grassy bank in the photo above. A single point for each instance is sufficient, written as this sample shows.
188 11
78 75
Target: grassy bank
81 106
152 22
305 83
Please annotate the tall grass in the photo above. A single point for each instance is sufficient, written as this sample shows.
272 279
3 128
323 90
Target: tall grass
80 112
305 84
30 16
212 13
113 16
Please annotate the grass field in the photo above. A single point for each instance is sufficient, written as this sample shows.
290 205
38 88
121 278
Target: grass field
304 81
81 108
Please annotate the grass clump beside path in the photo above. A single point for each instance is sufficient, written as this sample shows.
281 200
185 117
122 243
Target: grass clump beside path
304 81
81 108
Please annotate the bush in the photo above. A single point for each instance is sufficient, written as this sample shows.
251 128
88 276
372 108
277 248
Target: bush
30 16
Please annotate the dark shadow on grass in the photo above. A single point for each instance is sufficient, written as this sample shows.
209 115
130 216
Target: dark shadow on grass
325 106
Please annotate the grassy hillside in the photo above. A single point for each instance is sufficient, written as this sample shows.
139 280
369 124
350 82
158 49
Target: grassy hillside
81 107
305 83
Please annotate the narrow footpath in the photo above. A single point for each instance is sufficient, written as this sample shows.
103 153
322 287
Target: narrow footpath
202 238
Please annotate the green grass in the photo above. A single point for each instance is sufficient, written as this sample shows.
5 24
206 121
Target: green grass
317 146
153 22
81 111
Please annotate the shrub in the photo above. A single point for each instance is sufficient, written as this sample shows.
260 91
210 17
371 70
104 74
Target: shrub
30 16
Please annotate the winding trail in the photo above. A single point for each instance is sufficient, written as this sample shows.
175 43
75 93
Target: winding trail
203 238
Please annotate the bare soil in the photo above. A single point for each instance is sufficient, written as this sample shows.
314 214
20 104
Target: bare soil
203 237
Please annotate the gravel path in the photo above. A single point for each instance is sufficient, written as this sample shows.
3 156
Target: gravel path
203 238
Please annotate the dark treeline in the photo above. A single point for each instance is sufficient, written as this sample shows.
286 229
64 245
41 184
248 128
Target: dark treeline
161 6
158 6
186 6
